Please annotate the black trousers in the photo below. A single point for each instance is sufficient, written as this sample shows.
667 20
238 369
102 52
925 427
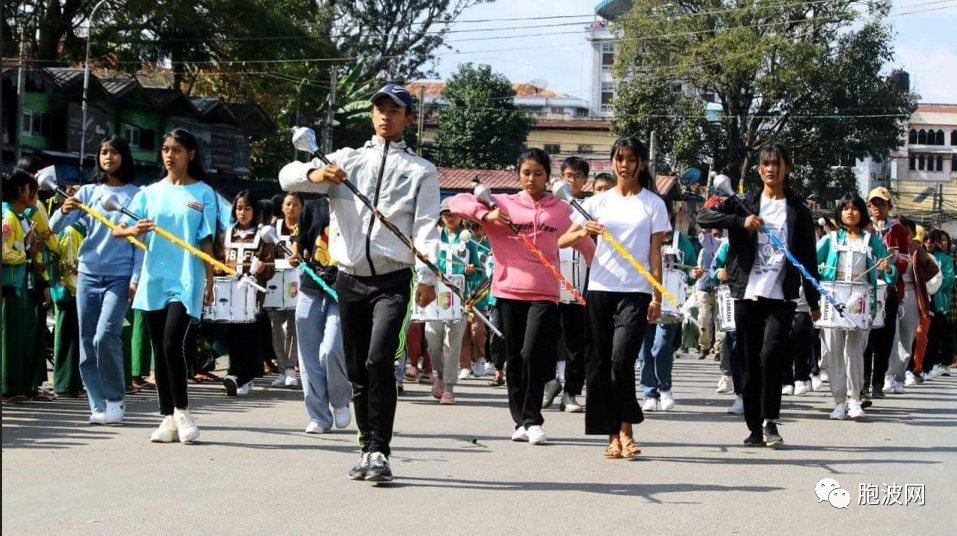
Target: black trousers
939 342
244 342
574 332
373 314
763 327
617 323
797 368
168 329
530 347
880 341
496 344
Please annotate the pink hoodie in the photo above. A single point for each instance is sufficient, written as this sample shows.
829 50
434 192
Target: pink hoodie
519 274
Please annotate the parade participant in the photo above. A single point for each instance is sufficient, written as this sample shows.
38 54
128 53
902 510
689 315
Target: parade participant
21 286
455 256
66 332
603 182
620 300
478 337
525 290
174 284
940 340
374 283
732 377
322 363
571 313
495 345
710 240
658 347
284 322
847 255
916 308
796 367
244 251
764 284
109 272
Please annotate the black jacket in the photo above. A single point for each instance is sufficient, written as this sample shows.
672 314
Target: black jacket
743 244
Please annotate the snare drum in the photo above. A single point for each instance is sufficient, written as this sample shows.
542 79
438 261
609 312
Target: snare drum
674 281
725 308
856 298
282 290
881 304
447 307
574 270
231 304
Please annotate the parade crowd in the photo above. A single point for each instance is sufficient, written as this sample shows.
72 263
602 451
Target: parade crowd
550 292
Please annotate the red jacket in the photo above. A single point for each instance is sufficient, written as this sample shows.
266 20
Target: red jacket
895 236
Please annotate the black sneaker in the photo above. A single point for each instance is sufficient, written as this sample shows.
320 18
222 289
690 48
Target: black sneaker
877 392
702 353
772 439
754 440
378 469
552 389
359 471
231 384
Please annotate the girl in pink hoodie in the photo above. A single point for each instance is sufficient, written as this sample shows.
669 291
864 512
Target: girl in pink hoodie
525 290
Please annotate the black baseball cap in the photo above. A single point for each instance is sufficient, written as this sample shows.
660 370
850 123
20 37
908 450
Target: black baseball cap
397 93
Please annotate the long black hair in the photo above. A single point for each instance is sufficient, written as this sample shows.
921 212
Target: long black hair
780 153
641 153
257 209
536 155
188 141
858 203
15 179
127 169
31 163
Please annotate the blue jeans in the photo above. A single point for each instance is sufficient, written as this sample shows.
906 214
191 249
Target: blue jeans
322 362
101 304
656 358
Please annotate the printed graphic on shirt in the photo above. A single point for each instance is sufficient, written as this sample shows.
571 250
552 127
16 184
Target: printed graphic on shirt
321 254
769 258
196 205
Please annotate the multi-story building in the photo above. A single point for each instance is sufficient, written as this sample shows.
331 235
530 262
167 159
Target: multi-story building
603 55
541 103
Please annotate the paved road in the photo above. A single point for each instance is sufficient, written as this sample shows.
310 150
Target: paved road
255 472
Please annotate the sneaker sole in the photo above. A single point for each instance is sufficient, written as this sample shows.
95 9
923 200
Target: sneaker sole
774 444
379 478
356 477
231 388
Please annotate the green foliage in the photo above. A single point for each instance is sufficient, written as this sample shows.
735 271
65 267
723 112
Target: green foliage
480 126
809 74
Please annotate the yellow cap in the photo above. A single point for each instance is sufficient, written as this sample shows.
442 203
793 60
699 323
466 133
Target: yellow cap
880 192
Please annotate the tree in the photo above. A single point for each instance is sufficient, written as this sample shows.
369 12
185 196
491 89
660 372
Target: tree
479 124
398 39
805 73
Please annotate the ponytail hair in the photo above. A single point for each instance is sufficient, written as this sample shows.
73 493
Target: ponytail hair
188 141
641 153
16 179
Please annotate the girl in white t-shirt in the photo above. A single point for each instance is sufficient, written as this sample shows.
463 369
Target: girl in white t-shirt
620 300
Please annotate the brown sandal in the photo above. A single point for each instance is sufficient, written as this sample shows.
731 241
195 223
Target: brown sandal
629 449
613 452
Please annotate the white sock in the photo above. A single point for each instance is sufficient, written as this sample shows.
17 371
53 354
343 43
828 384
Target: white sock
561 371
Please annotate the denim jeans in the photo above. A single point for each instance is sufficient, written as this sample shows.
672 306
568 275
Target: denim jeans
322 363
101 303
656 358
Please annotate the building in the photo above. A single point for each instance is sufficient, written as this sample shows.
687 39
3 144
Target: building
538 101
603 55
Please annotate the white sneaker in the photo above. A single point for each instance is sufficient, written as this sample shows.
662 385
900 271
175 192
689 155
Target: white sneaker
114 412
667 401
898 388
926 376
342 416
244 389
787 390
291 380
825 377
725 385
536 435
489 369
167 431
816 383
185 427
478 369
909 379
936 372
280 380
945 371
97 417
888 384
570 404
839 413
651 404
520 434
801 388
738 407
854 409
465 373
314 428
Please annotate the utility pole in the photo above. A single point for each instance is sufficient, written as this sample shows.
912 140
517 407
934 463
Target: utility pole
939 198
21 85
421 130
651 158
295 152
86 86
331 113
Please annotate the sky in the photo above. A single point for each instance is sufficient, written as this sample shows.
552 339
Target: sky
925 45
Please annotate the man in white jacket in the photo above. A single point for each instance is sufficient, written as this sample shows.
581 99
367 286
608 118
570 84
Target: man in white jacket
375 268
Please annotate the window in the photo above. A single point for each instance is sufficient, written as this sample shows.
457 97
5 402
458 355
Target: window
912 137
940 138
922 137
132 135
953 164
913 162
32 123
953 139
940 163
553 148
557 110
607 55
920 162
585 149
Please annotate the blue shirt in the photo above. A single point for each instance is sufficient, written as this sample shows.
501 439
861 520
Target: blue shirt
170 273
100 253
709 246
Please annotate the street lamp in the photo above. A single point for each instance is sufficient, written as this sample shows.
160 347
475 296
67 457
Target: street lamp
86 85
295 152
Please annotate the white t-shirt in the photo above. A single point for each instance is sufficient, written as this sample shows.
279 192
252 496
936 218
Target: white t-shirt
631 220
767 274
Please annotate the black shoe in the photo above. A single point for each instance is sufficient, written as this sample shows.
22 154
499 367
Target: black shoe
754 440
702 353
231 385
877 392
717 357
399 388
552 390
772 439
359 471
866 403
378 469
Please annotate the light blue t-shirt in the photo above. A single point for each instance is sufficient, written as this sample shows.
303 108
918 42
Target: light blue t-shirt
170 273
100 253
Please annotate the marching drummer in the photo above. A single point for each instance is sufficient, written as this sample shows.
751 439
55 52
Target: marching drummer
848 255
246 252
621 302
283 319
